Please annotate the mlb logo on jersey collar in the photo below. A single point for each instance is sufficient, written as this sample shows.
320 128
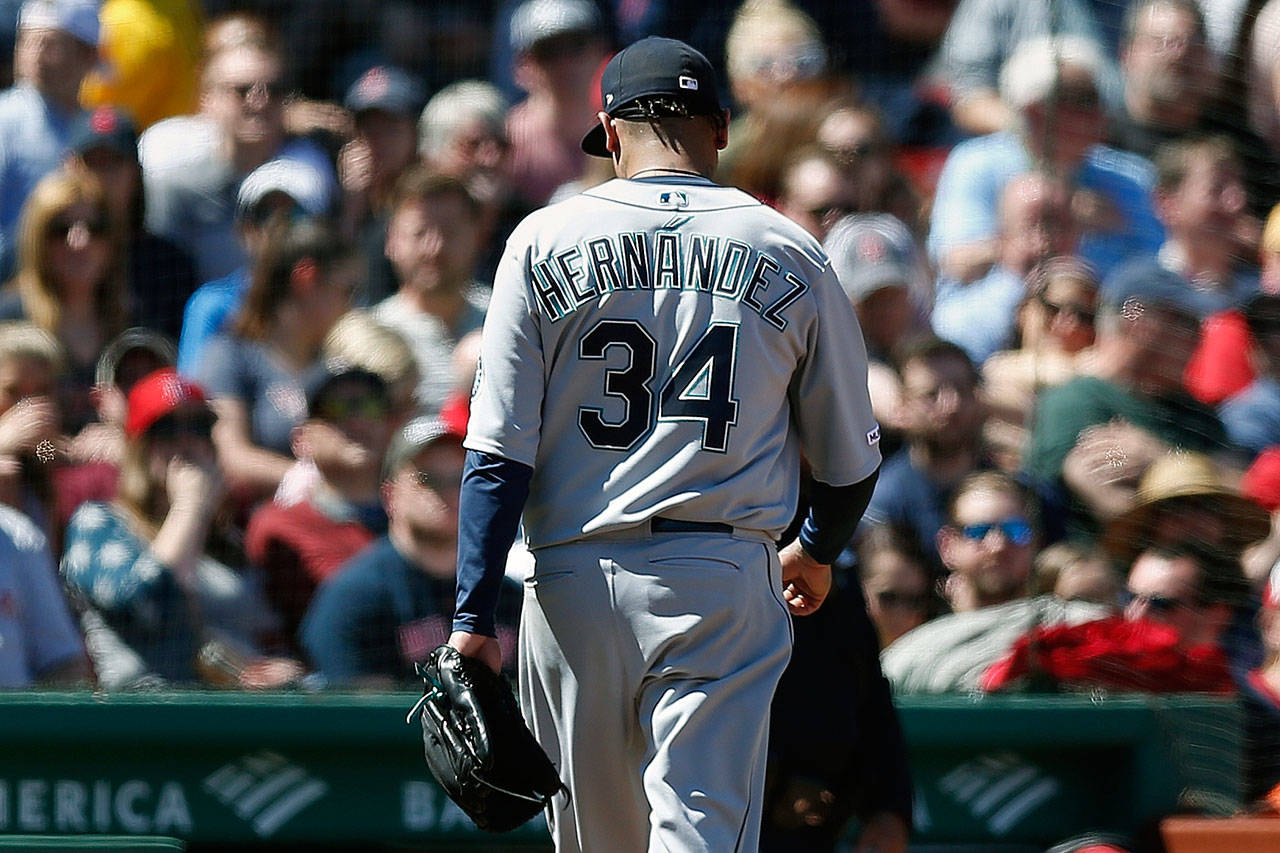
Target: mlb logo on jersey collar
673 199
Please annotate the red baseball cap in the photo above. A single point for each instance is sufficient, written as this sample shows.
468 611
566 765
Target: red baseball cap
156 395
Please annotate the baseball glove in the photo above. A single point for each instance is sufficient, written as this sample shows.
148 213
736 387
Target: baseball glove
478 746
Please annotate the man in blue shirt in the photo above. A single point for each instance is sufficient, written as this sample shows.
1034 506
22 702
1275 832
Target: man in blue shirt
1053 83
392 603
57 46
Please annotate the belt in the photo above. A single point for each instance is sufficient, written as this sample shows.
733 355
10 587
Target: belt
659 524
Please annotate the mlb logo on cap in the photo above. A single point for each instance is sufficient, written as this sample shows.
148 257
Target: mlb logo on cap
654 67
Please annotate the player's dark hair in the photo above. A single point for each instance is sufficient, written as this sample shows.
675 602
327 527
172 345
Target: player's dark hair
420 184
287 243
928 347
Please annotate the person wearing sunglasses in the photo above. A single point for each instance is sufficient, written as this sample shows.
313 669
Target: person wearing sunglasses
298 540
987 545
143 565
193 165
389 605
57 45
1056 326
70 281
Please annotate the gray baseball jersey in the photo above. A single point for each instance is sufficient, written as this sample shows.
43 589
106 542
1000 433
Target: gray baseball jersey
664 346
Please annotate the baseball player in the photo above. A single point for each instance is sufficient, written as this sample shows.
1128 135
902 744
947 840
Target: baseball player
657 352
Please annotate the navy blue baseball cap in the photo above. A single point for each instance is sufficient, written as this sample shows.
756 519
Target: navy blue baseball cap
386 88
105 127
654 66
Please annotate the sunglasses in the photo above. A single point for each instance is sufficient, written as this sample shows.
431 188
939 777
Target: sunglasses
438 481
830 212
1079 312
341 408
1079 98
59 228
273 90
892 599
1158 605
1016 530
172 427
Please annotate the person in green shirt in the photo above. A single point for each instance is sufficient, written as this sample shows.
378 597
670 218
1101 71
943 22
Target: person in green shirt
1092 438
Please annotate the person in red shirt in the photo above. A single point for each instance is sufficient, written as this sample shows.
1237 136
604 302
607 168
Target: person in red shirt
298 541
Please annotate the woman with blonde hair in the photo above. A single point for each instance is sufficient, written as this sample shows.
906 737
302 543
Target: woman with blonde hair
69 281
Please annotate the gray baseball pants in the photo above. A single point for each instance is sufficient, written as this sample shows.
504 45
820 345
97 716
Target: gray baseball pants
648 663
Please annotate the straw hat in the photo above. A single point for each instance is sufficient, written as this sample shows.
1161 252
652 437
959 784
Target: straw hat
1183 475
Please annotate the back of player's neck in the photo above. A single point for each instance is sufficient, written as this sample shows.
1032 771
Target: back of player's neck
676 165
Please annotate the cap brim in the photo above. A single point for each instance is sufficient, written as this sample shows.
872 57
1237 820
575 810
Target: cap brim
594 142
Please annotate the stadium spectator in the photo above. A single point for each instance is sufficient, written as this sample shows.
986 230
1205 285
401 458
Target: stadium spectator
1252 416
1169 75
146 564
1035 223
392 603
70 281
161 276
1052 84
854 134
30 362
1055 329
276 192
1092 438
816 191
882 271
97 452
462 134
984 34
896 581
559 46
778 74
359 341
385 102
941 414
432 242
884 275
1182 498
1172 637
42 647
257 371
192 165
57 45
1074 572
1200 200
299 544
987 545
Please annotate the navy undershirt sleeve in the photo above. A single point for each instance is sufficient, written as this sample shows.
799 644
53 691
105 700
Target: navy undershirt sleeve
494 491
834 513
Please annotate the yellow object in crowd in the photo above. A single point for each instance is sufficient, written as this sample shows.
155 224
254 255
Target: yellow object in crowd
150 59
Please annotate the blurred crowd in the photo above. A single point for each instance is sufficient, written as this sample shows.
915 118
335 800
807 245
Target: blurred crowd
247 248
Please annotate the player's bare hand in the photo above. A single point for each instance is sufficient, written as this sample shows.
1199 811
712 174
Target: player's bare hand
883 833
805 581
479 646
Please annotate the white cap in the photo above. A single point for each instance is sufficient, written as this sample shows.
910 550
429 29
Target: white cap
537 20
301 181
1030 74
78 18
